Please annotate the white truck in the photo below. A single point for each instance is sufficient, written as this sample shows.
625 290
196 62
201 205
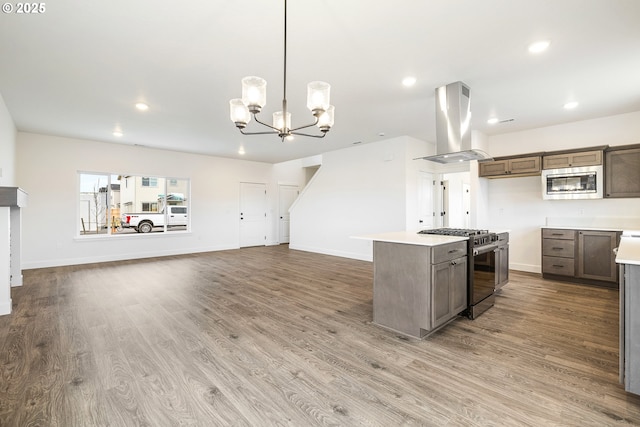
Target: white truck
145 222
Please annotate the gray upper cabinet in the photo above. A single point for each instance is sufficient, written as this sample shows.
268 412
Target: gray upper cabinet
568 160
622 172
512 167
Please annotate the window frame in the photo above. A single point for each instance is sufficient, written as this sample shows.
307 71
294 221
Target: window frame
113 203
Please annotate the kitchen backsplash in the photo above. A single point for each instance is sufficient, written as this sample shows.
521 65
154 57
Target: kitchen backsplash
609 223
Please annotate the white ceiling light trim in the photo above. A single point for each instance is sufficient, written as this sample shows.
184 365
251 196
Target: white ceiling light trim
409 81
571 105
539 46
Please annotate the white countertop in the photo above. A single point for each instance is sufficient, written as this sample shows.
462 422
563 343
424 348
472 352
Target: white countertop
412 238
629 250
566 227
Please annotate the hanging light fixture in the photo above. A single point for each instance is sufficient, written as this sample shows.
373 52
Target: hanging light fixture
254 98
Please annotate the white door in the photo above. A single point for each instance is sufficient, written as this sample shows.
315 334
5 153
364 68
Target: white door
425 200
287 194
253 214
444 205
466 205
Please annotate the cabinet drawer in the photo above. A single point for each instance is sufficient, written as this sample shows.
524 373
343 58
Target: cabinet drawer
559 248
554 233
448 252
559 266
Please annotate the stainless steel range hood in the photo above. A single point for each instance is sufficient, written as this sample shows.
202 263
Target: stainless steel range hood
453 126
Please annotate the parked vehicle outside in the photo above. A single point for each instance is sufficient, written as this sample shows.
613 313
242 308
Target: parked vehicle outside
145 222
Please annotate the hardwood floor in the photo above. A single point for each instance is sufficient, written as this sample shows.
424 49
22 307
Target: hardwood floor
272 336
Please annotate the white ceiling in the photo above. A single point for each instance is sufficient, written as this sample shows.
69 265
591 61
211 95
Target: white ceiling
77 69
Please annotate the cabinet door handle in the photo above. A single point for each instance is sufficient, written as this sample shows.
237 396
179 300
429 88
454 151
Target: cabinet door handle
557 249
559 266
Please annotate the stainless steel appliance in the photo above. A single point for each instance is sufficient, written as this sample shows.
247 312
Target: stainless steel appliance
482 275
453 126
572 183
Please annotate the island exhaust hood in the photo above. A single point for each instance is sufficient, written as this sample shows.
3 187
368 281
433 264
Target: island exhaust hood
453 126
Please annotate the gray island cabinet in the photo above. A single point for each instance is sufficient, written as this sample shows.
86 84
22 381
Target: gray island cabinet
420 281
628 258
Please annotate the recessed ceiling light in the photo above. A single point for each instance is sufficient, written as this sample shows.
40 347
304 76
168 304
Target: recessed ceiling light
142 106
539 46
117 133
570 105
409 81
241 151
493 120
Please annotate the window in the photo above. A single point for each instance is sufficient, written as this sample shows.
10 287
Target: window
149 182
149 207
111 204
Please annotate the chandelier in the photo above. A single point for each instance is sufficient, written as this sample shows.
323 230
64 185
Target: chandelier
254 98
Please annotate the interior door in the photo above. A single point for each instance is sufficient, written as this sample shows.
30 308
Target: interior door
253 214
425 200
287 194
444 206
466 205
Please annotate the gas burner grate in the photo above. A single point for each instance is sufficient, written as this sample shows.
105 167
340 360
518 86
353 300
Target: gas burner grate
464 232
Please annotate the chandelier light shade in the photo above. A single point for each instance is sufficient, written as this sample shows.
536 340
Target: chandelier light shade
254 98
254 93
318 96
239 113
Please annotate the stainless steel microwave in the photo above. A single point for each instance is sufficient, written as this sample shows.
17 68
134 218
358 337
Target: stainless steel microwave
572 183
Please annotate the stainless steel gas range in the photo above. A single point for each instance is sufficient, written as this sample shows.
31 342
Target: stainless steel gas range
482 275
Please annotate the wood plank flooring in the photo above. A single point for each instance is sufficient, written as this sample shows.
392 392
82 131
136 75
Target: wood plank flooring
275 337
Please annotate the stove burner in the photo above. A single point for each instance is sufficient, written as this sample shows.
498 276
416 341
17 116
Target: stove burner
463 232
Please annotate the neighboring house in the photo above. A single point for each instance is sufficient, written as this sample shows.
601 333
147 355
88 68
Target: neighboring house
147 194
94 207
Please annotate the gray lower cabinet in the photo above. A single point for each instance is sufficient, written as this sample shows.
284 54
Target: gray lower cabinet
596 259
630 327
580 255
558 252
449 295
502 260
418 289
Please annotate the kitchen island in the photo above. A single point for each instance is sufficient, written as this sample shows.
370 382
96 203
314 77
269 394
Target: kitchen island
628 257
420 281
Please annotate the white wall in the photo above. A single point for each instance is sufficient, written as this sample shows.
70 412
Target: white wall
516 203
363 189
7 147
7 179
358 190
47 170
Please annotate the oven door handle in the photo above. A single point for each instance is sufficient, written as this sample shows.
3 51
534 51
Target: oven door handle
484 249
